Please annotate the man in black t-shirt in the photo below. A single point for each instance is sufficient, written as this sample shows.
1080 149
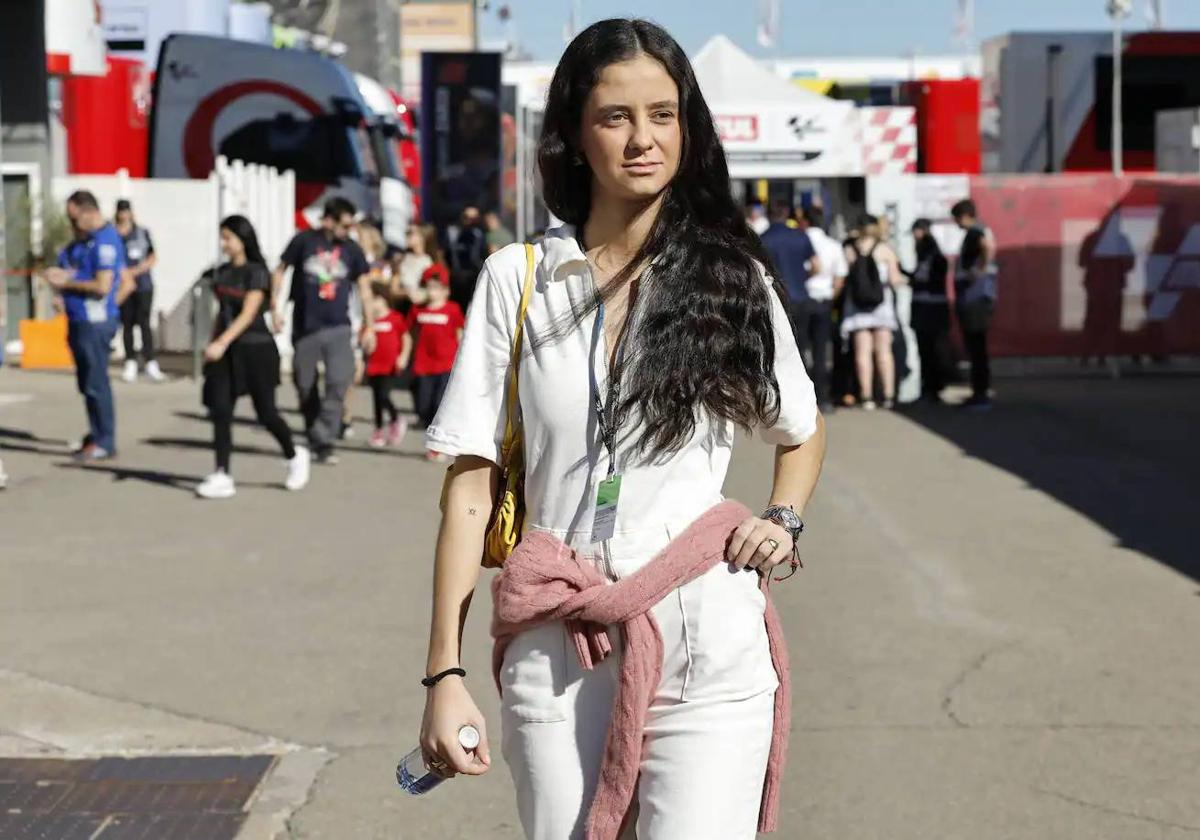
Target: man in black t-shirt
325 263
975 298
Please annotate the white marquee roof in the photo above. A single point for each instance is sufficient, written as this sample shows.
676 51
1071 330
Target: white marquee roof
728 74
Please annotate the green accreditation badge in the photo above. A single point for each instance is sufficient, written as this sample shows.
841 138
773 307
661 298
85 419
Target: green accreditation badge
607 495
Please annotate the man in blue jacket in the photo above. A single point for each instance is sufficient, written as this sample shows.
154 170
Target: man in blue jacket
89 273
796 260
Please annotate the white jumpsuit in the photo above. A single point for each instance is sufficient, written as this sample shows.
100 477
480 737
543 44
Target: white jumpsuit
709 728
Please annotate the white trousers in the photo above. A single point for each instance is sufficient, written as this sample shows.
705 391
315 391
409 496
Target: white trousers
708 731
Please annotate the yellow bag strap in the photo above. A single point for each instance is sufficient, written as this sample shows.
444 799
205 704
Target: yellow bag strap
513 397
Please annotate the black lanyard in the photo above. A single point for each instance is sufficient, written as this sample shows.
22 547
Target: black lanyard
607 409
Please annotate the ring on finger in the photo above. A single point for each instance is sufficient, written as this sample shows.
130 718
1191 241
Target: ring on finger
771 542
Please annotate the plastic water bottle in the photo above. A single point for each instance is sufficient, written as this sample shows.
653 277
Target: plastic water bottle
416 778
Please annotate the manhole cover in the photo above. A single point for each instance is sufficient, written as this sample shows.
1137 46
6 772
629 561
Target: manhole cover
151 798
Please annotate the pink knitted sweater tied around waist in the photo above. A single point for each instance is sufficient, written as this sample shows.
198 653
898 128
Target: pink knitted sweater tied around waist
543 581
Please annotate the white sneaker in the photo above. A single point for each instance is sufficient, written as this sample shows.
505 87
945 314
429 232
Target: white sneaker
92 452
155 372
219 485
129 372
298 469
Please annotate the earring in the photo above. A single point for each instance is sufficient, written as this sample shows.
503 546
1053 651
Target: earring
576 160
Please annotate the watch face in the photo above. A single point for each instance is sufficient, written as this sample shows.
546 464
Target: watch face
787 518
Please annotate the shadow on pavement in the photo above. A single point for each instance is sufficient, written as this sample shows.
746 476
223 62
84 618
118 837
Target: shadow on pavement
175 481
164 479
29 441
21 434
1122 453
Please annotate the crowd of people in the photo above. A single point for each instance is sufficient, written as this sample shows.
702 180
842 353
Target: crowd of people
843 303
363 311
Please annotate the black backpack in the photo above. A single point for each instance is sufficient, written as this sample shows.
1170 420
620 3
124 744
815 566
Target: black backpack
864 283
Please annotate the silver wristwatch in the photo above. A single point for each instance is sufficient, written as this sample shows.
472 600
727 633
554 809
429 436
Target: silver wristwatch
785 518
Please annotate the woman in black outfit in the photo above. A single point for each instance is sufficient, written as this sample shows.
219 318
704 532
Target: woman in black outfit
930 310
242 359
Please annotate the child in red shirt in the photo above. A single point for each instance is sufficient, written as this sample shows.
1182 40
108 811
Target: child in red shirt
439 325
383 365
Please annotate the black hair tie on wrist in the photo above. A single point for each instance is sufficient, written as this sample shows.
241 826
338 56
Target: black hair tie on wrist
430 682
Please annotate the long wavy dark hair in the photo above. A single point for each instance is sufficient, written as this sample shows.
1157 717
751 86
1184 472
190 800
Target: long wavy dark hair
704 339
241 227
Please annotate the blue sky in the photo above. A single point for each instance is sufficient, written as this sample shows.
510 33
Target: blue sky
826 27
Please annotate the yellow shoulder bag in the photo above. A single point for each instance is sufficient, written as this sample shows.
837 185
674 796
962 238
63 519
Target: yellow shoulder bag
508 508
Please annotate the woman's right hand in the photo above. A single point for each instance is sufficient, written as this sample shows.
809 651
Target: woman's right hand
448 708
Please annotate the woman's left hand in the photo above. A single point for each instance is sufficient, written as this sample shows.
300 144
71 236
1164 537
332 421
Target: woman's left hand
214 351
759 544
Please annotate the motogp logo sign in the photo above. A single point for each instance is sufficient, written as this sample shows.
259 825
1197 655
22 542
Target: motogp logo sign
803 127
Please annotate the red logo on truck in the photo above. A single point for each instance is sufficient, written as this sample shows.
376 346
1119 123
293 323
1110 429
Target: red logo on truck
198 155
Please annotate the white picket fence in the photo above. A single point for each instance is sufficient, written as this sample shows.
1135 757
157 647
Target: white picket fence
183 217
265 196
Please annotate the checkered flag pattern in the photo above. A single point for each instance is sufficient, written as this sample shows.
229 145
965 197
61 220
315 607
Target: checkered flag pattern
888 138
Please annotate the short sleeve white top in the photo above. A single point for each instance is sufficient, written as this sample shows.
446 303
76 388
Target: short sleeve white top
833 264
565 458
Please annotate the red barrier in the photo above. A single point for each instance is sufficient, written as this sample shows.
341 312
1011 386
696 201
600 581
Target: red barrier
1093 264
107 119
947 123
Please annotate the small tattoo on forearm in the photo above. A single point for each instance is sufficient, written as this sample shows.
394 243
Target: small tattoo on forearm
471 511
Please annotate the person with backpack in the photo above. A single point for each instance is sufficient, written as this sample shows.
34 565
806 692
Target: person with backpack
869 313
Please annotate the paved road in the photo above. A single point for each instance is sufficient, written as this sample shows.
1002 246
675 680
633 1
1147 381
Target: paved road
996 635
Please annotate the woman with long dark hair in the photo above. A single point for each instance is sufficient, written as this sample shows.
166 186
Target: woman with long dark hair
242 359
640 664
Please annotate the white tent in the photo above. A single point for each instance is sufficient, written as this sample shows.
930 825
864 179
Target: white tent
770 127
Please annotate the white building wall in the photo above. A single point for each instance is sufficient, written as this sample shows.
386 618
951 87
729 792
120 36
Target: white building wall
183 217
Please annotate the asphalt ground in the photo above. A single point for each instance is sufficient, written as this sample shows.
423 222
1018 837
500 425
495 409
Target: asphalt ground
996 635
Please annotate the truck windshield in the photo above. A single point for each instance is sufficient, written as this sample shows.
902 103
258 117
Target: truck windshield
363 142
318 150
383 143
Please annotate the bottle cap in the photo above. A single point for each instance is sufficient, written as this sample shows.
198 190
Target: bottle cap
468 736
